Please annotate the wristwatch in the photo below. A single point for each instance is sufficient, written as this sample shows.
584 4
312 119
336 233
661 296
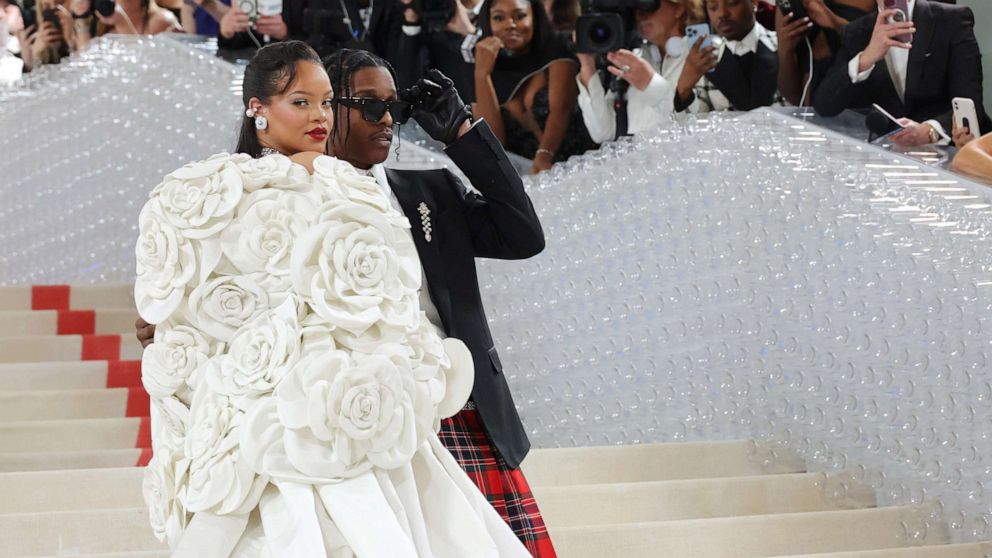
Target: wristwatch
934 134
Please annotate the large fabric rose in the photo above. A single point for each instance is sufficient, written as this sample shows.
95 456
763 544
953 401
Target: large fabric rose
271 171
161 487
170 425
220 480
267 225
169 362
166 264
200 198
224 304
259 356
358 273
342 416
338 180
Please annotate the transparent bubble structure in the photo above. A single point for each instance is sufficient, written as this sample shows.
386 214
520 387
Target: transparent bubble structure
735 276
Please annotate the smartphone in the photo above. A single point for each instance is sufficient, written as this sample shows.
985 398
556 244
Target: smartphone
693 32
902 14
887 115
269 7
794 7
965 115
51 16
250 8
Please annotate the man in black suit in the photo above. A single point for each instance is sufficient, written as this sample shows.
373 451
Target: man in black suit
914 80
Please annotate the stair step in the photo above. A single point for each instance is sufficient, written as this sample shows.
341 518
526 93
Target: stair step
66 322
74 435
972 550
597 504
86 459
77 532
749 536
67 297
84 374
73 404
650 462
69 348
72 490
143 554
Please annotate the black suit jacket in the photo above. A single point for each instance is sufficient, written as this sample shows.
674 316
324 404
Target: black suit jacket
944 63
499 223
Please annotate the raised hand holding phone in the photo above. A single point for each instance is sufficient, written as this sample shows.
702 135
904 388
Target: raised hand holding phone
886 35
965 115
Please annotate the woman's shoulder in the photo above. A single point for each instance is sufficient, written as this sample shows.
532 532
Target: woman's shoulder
161 20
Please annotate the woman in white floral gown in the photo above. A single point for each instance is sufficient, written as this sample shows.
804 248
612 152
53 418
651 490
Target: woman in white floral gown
296 384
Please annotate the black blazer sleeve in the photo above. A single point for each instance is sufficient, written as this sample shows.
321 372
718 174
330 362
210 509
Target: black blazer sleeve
502 220
965 68
837 91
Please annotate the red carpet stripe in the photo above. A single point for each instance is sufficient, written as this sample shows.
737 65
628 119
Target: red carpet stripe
138 403
50 297
144 434
124 373
101 347
144 458
76 322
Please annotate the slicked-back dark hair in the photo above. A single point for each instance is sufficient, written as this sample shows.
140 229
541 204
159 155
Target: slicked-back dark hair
544 32
341 68
270 72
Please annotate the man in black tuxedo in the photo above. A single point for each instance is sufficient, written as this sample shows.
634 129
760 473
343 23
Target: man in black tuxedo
913 80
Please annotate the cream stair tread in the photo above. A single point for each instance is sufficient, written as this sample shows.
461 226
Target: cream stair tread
596 504
80 297
14 323
71 490
63 404
649 462
746 537
44 348
139 554
28 376
69 435
60 460
77 532
971 550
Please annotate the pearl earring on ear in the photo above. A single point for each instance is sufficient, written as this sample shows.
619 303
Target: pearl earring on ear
261 122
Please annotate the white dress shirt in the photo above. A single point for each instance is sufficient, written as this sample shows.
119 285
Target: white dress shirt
897 61
708 97
646 109
426 303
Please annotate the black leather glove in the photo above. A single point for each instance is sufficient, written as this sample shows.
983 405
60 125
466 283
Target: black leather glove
437 107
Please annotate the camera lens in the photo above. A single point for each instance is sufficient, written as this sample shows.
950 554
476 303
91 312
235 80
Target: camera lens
899 17
600 33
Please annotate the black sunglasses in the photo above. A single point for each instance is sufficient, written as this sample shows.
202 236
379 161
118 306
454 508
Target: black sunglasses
374 109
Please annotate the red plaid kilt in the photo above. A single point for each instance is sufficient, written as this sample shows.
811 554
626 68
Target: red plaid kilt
506 489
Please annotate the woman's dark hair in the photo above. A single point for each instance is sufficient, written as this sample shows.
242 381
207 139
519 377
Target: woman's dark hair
270 72
564 14
341 68
543 30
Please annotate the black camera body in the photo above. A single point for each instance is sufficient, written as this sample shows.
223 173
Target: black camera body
609 25
435 14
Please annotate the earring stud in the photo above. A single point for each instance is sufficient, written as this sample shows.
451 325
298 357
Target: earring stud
261 123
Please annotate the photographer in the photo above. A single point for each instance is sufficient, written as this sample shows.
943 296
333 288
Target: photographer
739 72
432 35
326 25
651 71
914 80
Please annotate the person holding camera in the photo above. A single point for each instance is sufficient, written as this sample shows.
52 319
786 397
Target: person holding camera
525 84
912 61
326 25
738 71
651 71
432 36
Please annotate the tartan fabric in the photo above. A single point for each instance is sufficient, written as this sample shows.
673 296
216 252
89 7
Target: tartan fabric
506 489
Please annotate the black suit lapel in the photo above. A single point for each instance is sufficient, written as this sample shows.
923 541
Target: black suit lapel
925 27
729 78
744 90
887 94
410 195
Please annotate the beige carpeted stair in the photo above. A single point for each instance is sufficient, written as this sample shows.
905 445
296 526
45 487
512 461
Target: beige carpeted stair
74 431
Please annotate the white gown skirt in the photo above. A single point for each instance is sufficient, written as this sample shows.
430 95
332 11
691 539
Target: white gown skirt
428 508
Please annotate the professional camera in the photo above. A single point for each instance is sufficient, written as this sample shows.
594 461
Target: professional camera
608 25
435 14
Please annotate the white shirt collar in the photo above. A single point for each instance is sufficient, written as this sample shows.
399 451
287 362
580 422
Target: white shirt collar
746 45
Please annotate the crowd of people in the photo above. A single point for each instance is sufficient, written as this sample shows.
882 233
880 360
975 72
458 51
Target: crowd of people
516 60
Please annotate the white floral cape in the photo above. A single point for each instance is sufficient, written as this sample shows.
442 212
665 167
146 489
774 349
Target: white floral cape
296 386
